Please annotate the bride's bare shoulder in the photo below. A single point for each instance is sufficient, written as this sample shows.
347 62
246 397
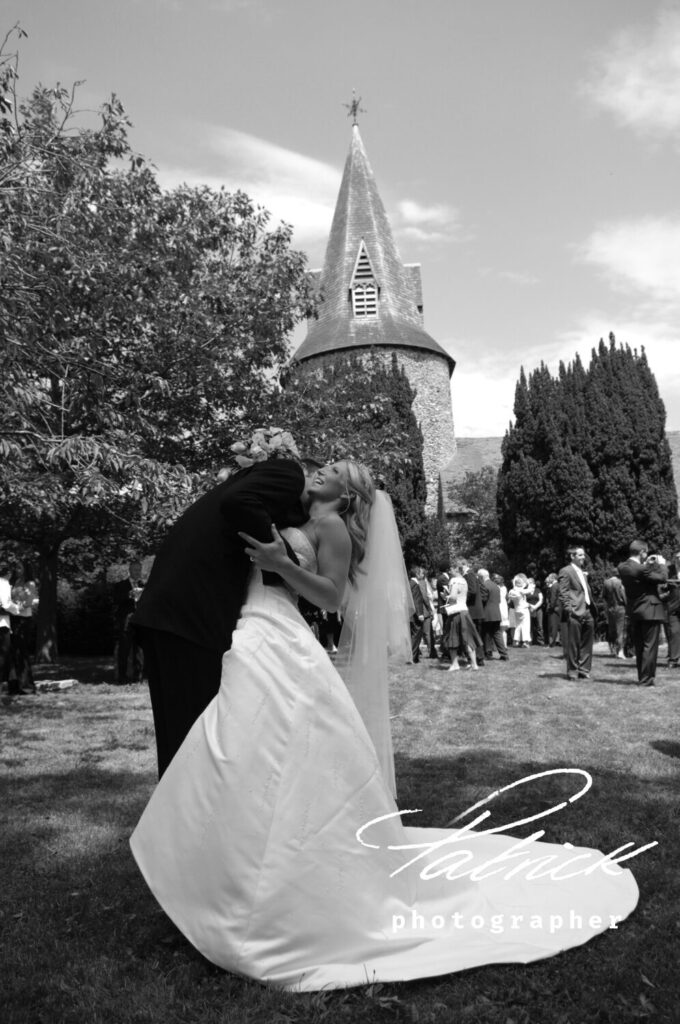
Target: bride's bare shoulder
330 527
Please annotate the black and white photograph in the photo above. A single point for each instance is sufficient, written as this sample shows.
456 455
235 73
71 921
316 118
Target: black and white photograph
339 534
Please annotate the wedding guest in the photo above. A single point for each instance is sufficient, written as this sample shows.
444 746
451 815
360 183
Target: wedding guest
129 657
517 598
554 608
25 597
443 580
436 617
7 608
492 633
430 611
535 602
641 574
418 616
615 604
505 611
462 637
475 607
577 613
673 612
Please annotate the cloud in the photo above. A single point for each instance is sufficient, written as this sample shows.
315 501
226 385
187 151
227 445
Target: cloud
637 76
643 253
435 223
295 188
513 276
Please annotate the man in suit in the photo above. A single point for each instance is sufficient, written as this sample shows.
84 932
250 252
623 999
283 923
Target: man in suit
429 612
418 617
126 593
641 575
192 600
492 633
577 614
474 605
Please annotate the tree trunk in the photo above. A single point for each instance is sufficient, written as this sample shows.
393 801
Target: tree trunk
46 621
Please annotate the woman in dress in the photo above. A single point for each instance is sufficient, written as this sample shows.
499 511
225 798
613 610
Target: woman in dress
463 637
517 597
273 840
505 611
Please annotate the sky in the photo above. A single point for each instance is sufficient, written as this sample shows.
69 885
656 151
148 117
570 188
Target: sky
527 151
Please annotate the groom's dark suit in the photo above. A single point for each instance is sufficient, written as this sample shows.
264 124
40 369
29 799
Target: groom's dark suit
193 597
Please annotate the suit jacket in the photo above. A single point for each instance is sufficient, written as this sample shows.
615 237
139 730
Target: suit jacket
474 596
640 583
491 600
572 594
198 582
418 602
427 604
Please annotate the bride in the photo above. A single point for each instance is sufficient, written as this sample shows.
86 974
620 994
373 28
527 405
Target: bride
273 840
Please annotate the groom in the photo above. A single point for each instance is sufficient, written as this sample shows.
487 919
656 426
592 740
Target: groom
193 597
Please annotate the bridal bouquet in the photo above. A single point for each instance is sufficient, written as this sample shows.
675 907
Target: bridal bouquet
266 443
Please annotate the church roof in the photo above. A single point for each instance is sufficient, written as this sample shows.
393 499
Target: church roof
360 217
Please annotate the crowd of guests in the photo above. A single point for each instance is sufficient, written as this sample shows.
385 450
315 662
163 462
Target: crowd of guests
463 616
466 616
18 602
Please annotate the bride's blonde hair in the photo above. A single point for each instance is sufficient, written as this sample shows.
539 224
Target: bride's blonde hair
356 516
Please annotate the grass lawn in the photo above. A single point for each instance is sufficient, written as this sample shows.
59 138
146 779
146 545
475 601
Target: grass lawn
83 941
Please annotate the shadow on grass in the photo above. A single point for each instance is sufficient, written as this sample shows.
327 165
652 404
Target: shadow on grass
670 748
92 927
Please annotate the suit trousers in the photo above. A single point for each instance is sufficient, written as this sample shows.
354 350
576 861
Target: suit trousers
579 643
494 637
645 636
416 637
183 679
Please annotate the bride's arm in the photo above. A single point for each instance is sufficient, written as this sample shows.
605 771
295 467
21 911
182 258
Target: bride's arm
326 587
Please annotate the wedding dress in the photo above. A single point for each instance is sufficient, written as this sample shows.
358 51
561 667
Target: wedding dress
249 842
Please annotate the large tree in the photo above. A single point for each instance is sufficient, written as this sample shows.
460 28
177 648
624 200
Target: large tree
362 408
475 535
140 330
587 460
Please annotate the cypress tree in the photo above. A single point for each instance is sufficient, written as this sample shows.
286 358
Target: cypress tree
587 460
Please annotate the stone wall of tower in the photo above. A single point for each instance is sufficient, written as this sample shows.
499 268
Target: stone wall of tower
428 375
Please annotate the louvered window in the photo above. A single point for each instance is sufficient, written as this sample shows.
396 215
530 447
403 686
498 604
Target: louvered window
365 299
364 288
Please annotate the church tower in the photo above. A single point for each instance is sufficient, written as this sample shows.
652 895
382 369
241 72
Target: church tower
373 302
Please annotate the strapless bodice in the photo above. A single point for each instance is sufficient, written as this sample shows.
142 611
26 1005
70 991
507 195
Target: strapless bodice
302 546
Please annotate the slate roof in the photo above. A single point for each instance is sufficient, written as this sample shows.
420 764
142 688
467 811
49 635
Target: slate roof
360 214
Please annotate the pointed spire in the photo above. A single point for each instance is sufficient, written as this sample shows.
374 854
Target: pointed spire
391 315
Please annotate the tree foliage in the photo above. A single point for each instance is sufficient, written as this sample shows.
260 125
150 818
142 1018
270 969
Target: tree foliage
587 460
140 331
476 534
361 408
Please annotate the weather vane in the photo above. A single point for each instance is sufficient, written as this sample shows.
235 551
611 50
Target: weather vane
353 108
